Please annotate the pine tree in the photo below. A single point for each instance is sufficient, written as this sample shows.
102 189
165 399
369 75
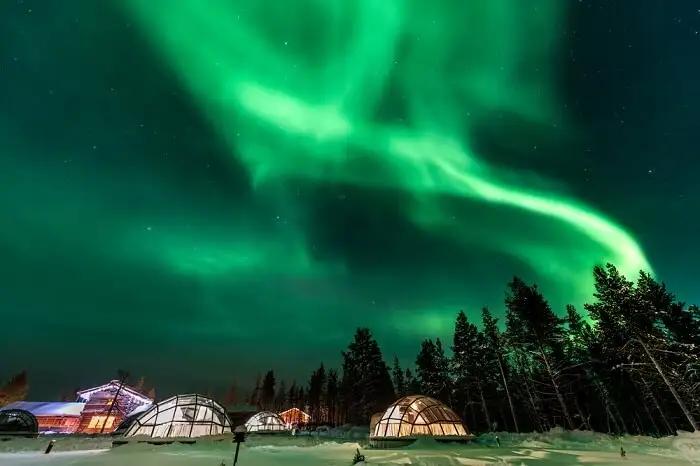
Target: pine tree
614 301
292 397
469 367
140 385
267 390
366 384
15 390
669 348
426 371
316 394
301 399
538 333
398 378
332 394
442 363
630 324
231 395
255 396
433 371
281 397
678 338
577 355
412 383
495 351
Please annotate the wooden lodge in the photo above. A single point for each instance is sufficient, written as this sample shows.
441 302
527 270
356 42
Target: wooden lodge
98 410
52 417
107 405
295 417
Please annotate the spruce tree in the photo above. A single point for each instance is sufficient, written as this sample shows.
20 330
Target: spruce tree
301 399
398 378
280 403
669 345
442 364
267 390
577 355
433 371
634 343
15 390
332 397
538 334
496 351
469 367
412 383
255 396
610 311
316 394
366 384
231 395
293 396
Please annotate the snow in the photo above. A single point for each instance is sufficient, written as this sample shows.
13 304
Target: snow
48 408
555 448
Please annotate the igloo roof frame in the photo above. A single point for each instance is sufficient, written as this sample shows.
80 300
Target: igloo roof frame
256 422
181 411
18 422
418 415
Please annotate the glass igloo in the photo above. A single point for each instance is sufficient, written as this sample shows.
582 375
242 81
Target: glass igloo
18 422
265 422
416 415
181 416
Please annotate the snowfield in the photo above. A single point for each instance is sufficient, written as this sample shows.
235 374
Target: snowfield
556 448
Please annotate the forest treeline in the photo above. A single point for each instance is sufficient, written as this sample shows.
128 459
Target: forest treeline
629 364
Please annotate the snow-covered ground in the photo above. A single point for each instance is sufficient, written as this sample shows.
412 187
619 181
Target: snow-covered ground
556 448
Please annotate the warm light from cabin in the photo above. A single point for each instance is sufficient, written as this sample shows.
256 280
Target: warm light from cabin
97 422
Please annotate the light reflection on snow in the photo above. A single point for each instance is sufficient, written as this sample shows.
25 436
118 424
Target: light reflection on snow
552 449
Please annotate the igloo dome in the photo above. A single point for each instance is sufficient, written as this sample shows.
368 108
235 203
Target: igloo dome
265 422
414 416
181 416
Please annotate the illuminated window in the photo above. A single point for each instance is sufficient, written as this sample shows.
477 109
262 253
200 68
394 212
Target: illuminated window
97 422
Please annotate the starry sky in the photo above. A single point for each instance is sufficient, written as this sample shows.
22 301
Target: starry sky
199 191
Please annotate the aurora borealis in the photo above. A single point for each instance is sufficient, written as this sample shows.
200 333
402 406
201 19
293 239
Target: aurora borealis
220 187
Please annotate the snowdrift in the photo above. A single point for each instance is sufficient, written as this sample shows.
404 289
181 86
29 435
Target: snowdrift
555 448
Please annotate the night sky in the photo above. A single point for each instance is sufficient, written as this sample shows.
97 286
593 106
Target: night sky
198 191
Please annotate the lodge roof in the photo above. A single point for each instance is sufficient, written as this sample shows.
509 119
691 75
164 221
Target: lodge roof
48 408
114 384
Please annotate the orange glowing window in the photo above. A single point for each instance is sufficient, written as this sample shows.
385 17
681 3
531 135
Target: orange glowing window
97 422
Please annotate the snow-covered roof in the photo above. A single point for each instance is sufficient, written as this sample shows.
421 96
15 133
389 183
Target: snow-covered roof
48 408
113 385
295 412
141 408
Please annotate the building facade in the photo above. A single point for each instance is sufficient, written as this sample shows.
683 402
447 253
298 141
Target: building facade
98 410
107 405
295 417
52 417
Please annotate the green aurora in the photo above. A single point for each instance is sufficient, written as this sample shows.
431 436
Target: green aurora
301 96
242 183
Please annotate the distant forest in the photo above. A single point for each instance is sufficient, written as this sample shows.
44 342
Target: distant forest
632 365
